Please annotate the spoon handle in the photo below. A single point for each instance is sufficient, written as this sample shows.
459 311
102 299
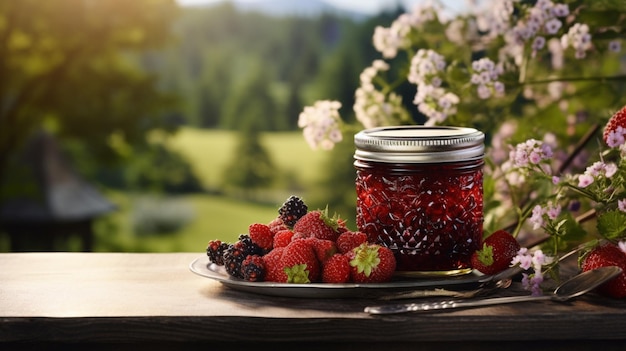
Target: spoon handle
450 304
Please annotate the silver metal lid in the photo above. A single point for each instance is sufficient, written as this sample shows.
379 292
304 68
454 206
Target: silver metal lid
419 144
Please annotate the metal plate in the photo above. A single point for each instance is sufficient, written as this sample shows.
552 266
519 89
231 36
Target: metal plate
203 267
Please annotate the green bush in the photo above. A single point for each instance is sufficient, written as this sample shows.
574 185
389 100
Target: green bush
160 215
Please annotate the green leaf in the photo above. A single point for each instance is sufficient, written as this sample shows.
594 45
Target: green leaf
612 224
573 230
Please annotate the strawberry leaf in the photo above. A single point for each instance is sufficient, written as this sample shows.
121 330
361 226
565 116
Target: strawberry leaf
365 259
297 274
485 256
612 224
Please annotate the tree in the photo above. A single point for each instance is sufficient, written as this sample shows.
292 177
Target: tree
252 102
68 65
252 167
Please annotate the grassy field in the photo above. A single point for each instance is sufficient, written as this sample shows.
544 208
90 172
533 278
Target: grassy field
210 151
214 217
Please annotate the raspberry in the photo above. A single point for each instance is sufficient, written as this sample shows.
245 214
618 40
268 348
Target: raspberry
261 235
277 225
282 238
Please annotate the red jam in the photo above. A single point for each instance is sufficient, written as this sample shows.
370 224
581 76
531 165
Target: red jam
422 198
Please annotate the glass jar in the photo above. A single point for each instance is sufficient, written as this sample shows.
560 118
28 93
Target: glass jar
420 193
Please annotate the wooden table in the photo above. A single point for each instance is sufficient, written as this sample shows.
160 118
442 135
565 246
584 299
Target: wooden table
96 301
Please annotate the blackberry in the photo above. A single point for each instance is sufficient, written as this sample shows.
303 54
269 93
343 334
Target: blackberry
253 269
237 252
215 250
292 210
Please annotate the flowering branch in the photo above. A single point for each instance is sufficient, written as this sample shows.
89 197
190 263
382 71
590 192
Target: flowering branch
495 70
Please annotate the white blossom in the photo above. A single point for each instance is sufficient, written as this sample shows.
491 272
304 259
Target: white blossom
320 124
578 38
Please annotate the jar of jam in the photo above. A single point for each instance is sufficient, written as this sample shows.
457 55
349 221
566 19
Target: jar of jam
420 193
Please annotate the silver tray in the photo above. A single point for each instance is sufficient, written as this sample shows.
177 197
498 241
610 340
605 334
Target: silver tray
203 267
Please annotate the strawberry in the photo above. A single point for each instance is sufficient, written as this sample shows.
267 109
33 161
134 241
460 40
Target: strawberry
336 269
497 252
274 271
348 240
282 238
616 121
324 249
608 255
300 235
300 262
261 234
318 224
371 263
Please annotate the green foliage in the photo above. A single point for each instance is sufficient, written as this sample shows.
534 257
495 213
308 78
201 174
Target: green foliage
251 166
215 217
252 104
227 60
612 224
158 169
70 66
157 215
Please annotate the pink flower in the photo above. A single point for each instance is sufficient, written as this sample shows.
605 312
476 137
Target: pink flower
621 205
523 258
585 180
615 139
553 211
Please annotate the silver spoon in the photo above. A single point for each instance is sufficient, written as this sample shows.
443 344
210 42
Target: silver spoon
571 288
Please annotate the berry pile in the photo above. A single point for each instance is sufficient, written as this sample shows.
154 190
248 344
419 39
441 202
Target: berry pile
302 246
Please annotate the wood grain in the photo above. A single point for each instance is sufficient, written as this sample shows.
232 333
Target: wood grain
120 299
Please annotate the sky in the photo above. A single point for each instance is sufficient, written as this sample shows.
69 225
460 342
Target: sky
366 6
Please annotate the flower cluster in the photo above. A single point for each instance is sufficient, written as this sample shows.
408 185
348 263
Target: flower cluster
531 152
431 99
617 138
320 124
578 37
541 214
598 170
541 20
529 156
535 260
485 77
372 107
389 40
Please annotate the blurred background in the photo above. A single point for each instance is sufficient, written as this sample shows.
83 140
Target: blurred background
158 125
